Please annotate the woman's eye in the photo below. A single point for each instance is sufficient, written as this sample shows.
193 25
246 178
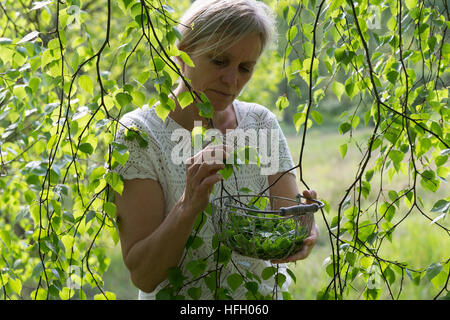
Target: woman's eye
244 69
218 62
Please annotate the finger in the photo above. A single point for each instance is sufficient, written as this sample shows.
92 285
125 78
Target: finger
194 163
207 183
308 245
313 236
211 154
215 155
189 161
217 147
205 171
191 167
315 230
208 169
223 152
310 241
195 172
302 254
309 194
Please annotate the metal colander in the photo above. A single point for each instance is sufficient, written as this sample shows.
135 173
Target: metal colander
248 225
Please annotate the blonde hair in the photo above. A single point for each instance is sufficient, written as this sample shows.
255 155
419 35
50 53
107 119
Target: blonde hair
210 24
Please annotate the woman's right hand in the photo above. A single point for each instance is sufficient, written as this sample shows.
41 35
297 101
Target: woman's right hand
201 175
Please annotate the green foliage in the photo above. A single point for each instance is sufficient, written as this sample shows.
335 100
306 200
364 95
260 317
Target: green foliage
386 62
263 235
69 70
63 87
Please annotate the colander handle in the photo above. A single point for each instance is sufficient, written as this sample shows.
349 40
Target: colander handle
300 209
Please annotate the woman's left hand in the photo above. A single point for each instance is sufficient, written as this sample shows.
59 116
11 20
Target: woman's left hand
309 242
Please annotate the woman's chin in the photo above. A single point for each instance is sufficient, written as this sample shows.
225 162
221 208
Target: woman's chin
220 104
220 107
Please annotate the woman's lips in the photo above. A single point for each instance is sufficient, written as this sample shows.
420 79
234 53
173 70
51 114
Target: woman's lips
221 93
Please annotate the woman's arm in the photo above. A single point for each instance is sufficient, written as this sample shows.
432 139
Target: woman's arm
287 187
152 243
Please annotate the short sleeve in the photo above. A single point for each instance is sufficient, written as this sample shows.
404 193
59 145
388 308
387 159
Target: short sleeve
140 164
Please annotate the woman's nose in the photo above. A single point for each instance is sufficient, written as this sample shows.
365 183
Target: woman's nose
230 77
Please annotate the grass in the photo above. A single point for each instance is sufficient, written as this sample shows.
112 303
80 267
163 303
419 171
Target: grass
415 242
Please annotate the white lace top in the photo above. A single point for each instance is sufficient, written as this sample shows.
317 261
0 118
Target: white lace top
156 162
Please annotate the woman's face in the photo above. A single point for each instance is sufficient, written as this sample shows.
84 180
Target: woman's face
222 76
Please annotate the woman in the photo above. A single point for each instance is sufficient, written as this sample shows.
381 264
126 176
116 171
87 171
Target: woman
161 200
